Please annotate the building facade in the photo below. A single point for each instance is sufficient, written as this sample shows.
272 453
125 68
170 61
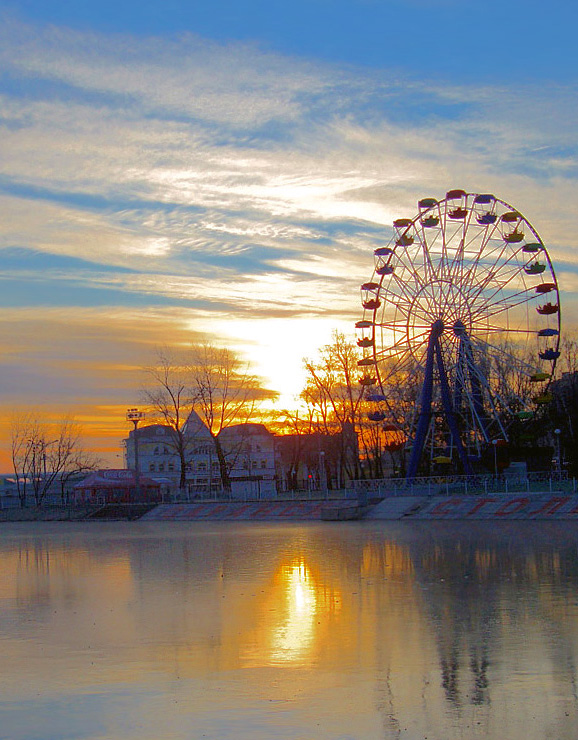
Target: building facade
158 456
249 452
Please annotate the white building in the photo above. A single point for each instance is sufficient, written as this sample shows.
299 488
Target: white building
249 452
251 457
158 457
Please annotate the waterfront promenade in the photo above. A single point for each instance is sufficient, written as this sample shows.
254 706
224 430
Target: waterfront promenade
497 506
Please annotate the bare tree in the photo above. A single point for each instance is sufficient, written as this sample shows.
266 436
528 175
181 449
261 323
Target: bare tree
43 452
24 429
78 462
170 399
210 381
297 430
224 393
333 389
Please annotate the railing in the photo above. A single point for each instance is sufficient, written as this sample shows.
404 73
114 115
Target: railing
303 494
452 485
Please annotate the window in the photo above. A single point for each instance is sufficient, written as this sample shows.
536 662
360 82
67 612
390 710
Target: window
152 467
202 466
254 464
156 452
165 451
171 467
161 467
263 464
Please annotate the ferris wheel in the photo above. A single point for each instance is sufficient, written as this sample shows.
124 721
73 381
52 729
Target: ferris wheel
461 329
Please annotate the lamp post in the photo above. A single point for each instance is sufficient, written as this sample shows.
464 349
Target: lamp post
135 416
557 433
495 444
323 474
45 446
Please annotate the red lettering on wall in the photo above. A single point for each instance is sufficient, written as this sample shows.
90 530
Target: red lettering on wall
506 509
442 509
552 505
479 505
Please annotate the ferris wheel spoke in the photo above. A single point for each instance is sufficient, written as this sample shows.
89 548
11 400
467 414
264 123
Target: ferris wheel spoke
524 295
512 360
474 410
405 359
447 236
502 306
404 290
467 262
400 309
410 268
507 268
395 325
487 236
457 260
488 276
497 329
404 347
429 270
397 287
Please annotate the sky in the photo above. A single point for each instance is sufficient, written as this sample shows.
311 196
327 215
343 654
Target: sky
181 171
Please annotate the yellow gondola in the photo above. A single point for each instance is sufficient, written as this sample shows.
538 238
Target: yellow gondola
367 380
538 377
514 237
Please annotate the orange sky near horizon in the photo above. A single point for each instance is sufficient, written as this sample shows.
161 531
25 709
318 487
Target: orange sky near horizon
171 190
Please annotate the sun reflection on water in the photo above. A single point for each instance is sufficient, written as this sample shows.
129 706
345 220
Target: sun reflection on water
293 637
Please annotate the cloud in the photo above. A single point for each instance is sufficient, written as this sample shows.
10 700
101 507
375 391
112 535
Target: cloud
211 183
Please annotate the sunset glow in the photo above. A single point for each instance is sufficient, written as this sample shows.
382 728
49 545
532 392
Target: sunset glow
175 177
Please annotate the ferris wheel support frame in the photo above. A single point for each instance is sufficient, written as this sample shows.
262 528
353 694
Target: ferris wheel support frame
434 353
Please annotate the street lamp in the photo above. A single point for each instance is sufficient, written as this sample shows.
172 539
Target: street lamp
557 433
323 474
495 444
135 416
45 446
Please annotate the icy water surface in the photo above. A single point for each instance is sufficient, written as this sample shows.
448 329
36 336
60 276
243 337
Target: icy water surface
262 631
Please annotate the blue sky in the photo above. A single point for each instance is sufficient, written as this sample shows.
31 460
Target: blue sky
173 172
519 41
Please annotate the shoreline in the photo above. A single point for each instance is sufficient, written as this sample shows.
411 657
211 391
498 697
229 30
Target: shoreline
555 505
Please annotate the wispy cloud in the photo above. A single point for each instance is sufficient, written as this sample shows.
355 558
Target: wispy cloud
223 182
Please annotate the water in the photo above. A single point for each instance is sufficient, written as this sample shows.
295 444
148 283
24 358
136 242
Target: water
262 631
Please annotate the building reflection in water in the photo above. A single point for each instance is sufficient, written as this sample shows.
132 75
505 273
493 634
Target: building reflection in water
386 631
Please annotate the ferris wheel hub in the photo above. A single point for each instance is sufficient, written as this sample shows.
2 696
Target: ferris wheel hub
459 328
437 328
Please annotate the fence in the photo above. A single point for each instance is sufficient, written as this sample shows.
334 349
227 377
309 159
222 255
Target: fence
176 496
465 485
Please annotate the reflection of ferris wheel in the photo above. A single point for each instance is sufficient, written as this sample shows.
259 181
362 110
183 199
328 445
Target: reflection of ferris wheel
461 320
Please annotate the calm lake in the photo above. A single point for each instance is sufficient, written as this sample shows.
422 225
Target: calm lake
258 631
